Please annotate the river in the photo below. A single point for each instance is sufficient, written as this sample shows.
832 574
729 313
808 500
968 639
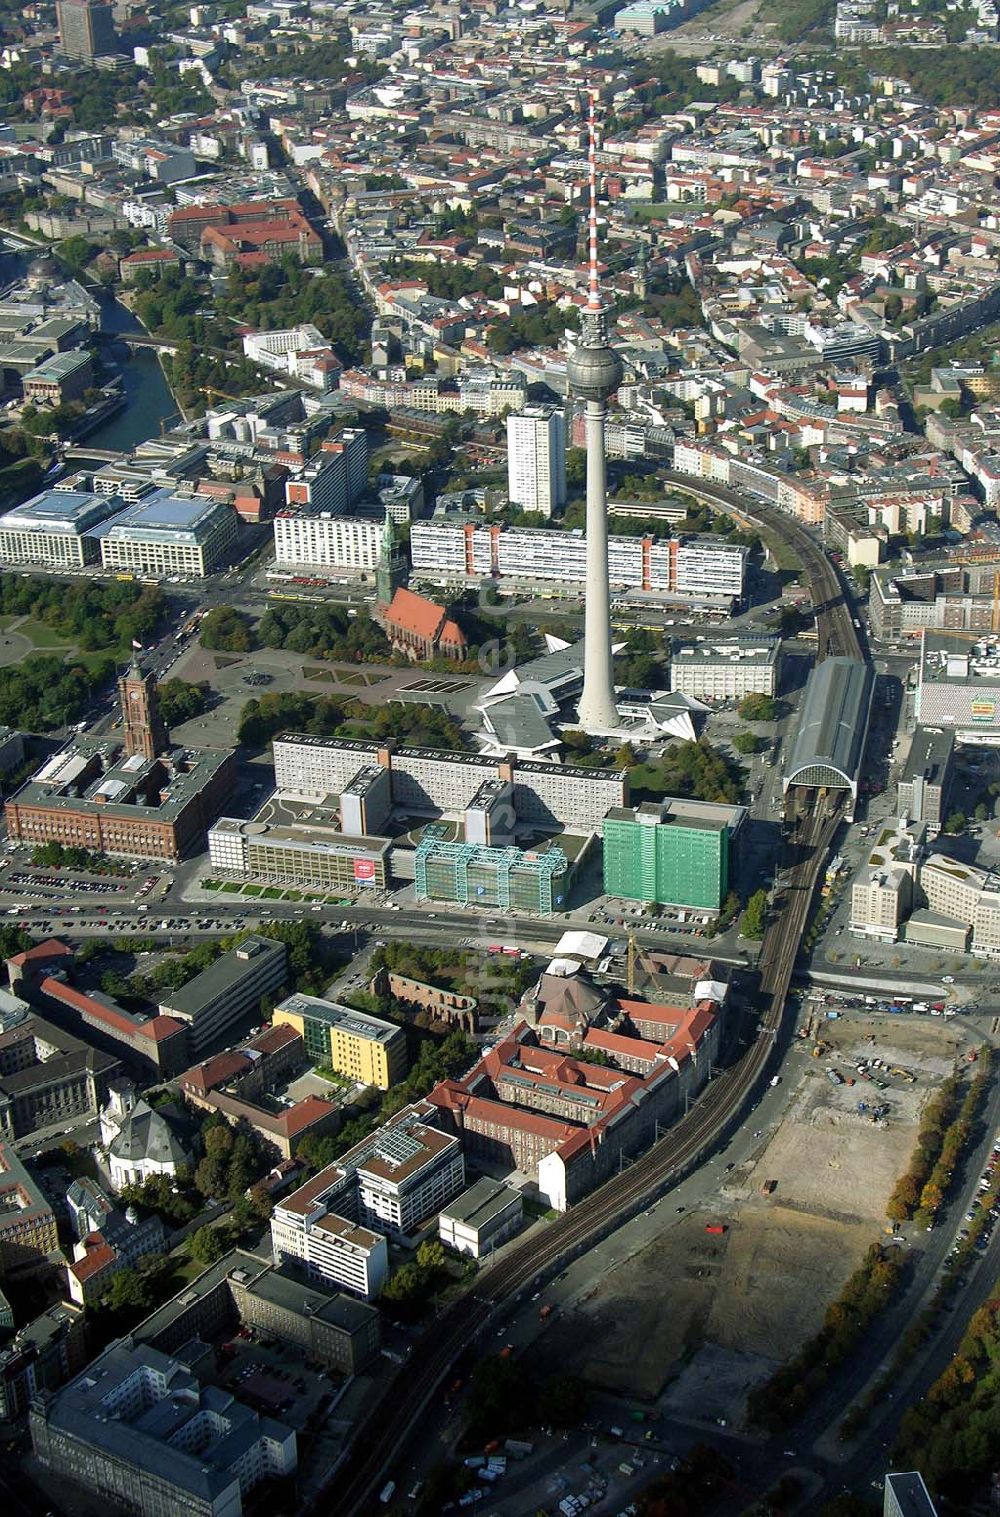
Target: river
149 400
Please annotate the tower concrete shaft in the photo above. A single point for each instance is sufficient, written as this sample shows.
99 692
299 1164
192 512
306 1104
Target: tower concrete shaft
597 703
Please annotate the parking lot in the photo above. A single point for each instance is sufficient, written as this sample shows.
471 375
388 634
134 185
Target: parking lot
274 1378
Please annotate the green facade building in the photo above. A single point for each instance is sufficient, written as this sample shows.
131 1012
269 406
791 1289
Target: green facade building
675 852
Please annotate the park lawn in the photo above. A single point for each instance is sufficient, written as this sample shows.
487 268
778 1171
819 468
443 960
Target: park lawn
41 636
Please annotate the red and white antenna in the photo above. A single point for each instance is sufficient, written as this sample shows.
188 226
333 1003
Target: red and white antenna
594 296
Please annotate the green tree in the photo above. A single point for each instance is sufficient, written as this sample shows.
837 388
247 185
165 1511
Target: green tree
755 915
207 1245
227 629
956 822
758 708
746 742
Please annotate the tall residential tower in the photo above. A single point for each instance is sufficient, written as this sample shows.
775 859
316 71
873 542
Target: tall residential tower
536 459
594 372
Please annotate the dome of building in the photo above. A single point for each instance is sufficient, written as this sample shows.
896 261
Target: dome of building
43 270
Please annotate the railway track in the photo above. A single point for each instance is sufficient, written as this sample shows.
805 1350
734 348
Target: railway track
835 627
433 1356
378 1438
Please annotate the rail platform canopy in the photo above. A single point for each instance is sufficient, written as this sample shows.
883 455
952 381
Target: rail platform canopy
833 724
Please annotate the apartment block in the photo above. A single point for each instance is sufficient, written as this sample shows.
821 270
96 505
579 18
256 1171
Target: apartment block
434 780
536 459
709 571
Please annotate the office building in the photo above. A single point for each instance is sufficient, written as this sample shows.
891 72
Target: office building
308 541
389 1183
366 1049
144 730
47 1076
328 1247
27 1224
58 528
242 1290
718 670
676 852
41 1356
481 1218
229 989
140 1426
406 1171
883 893
924 786
86 29
165 534
959 684
307 853
536 459
92 795
511 879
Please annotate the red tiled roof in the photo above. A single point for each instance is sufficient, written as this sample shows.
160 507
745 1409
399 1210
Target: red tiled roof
215 1071
303 1114
49 948
156 1028
98 1256
414 614
617 1043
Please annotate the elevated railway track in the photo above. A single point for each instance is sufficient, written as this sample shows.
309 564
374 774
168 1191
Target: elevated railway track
813 822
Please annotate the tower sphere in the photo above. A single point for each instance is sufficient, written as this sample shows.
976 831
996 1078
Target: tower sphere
593 373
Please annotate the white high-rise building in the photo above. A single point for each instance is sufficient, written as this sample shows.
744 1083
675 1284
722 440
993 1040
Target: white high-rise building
536 459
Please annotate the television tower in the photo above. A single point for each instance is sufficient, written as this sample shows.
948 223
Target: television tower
594 372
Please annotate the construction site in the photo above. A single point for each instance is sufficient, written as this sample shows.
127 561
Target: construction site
711 1296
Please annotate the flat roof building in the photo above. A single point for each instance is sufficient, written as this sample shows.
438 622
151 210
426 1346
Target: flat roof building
959 684
57 527
833 727
389 1183
725 669
481 1218
304 853
169 534
366 1049
906 1495
676 852
242 1289
227 990
140 1424
922 793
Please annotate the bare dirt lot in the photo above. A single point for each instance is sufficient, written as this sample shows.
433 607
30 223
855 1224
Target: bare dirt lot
708 1316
